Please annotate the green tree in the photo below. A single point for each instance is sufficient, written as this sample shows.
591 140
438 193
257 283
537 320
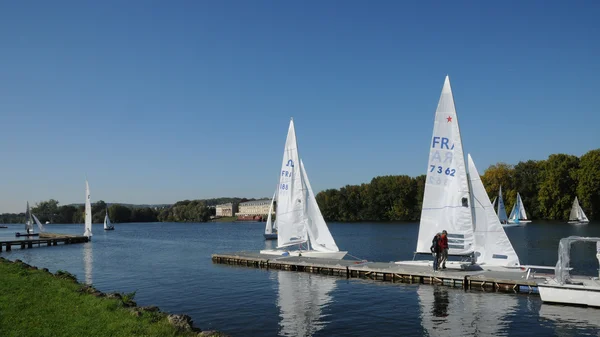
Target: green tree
527 180
46 210
558 182
119 213
588 188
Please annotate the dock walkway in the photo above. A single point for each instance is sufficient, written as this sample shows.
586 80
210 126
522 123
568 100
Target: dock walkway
49 239
509 280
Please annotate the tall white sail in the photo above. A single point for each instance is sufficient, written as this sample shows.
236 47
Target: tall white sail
88 211
446 197
501 209
494 202
107 223
40 226
577 213
269 228
518 210
491 245
290 200
318 232
301 300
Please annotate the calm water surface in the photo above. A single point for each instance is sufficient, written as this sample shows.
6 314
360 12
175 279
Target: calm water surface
169 265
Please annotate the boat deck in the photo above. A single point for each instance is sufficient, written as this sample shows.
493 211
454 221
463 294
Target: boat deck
48 239
508 280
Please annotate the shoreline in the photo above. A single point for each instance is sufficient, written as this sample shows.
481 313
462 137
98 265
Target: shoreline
36 302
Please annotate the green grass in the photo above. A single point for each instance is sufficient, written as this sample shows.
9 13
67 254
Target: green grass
37 303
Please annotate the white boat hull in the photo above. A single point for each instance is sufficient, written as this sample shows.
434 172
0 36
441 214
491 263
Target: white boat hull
587 294
521 222
305 253
510 224
578 222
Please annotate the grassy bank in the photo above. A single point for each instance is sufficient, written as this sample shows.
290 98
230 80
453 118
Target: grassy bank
37 303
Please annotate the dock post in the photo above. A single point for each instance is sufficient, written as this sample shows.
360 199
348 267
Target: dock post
22 245
8 248
30 244
48 243
54 242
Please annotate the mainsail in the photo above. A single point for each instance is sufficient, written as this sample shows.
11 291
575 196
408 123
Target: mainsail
518 210
107 224
270 226
446 197
40 226
291 196
501 209
577 213
88 211
491 245
318 232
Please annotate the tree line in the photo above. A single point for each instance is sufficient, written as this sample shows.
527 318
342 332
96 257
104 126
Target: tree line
182 211
547 188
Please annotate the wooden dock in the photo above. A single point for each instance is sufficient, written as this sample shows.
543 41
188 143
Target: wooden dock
48 239
509 280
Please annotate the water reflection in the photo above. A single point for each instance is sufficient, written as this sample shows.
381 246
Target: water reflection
452 312
88 259
572 321
302 298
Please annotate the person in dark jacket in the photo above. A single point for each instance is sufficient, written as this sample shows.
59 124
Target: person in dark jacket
435 250
443 243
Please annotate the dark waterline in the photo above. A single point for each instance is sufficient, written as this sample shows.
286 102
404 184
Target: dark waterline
169 265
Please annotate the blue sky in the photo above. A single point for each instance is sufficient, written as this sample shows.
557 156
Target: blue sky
160 101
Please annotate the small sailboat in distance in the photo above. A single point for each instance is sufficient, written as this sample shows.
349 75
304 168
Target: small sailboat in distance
108 226
28 224
518 215
88 212
271 228
502 211
577 216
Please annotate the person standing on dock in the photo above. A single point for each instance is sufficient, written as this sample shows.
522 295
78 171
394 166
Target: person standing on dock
435 250
443 249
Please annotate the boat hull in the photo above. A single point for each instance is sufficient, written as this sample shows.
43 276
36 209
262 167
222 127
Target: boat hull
578 222
109 229
586 294
272 236
305 253
33 234
510 224
521 222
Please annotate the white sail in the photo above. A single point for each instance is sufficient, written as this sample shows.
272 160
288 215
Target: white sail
301 300
318 232
522 213
28 220
290 212
577 213
269 228
88 211
446 197
40 226
107 223
494 202
491 245
501 209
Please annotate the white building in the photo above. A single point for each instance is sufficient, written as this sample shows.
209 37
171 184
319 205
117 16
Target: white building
255 207
228 209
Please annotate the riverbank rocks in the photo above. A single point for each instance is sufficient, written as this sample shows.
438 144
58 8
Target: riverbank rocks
150 308
114 296
182 322
211 333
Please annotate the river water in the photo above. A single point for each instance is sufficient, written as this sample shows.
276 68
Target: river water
169 265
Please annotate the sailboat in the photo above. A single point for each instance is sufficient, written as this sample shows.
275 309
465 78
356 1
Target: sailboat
300 223
455 200
271 228
502 210
577 216
518 214
301 300
108 226
88 212
28 224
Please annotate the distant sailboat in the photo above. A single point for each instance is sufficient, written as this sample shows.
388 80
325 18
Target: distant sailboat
88 212
271 228
502 210
28 224
40 226
455 199
494 202
518 214
577 216
107 225
299 220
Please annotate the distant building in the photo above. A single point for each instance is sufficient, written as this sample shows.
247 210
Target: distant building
228 209
255 207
